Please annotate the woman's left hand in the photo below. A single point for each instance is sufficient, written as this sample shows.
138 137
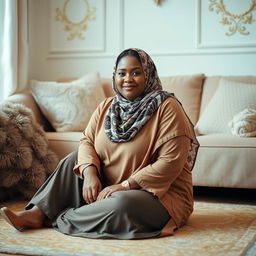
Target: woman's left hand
107 191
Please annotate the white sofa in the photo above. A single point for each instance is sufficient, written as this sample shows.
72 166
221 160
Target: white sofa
224 160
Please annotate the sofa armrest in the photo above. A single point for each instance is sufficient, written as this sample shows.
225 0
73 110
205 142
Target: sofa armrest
27 99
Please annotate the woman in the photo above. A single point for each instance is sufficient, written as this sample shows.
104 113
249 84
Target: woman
131 177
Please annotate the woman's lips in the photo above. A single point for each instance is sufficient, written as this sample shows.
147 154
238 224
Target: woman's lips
129 87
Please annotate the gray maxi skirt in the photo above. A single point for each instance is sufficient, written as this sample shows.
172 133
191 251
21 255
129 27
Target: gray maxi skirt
132 214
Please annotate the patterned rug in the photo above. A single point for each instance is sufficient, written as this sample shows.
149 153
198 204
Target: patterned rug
213 229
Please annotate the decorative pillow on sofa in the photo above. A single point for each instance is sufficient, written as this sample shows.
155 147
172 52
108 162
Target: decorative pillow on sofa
69 106
229 99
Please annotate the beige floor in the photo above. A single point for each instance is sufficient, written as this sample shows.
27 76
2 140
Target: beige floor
219 195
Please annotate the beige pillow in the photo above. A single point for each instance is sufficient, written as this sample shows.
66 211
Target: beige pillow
229 99
188 90
68 106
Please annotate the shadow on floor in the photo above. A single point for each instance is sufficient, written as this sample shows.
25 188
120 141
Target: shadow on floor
228 195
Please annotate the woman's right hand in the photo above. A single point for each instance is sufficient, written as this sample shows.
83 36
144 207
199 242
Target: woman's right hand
92 185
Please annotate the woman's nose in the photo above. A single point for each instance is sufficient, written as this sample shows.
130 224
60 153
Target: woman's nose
128 78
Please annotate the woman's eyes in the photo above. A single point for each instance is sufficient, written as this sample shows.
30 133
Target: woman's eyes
135 73
121 74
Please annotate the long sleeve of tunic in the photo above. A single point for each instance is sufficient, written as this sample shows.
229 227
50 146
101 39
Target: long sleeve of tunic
156 158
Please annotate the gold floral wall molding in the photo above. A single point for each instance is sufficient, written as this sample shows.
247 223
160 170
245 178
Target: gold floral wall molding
236 22
75 28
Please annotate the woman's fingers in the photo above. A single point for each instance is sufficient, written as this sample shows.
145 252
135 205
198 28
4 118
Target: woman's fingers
91 189
87 195
90 194
102 194
108 191
94 192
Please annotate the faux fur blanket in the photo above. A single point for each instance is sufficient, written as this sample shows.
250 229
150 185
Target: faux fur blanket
25 159
243 124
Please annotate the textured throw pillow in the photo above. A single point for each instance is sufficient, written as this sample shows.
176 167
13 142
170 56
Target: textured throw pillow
69 106
229 99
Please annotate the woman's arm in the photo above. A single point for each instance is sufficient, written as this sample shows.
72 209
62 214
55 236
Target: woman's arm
171 150
91 185
88 166
171 158
86 151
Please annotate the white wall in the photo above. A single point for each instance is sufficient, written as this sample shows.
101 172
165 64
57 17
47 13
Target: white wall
182 36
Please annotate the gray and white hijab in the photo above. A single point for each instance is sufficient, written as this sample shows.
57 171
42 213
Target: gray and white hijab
126 117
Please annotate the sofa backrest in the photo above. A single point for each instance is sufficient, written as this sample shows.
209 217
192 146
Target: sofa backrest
188 90
106 84
26 98
211 84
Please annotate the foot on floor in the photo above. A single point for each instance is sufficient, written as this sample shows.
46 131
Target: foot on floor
22 220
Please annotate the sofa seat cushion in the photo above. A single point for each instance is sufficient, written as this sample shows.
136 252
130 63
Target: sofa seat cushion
63 143
226 141
225 161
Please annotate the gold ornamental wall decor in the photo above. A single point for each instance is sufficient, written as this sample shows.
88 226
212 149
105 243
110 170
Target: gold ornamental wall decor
236 22
75 28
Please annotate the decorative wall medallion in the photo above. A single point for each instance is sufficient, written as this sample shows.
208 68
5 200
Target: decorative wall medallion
236 22
75 25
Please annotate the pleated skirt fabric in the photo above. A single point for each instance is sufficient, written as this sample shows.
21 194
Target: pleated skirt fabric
132 214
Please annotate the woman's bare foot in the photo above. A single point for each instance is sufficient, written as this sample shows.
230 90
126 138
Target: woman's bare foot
32 218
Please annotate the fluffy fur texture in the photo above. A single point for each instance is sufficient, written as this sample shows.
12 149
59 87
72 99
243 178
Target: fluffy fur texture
25 159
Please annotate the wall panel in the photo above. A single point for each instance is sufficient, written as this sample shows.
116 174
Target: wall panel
183 37
77 26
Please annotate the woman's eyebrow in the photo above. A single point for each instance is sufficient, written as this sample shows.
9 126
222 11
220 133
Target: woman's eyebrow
123 69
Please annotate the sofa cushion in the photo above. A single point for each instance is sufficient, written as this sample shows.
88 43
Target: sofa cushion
188 90
68 106
229 99
225 161
226 141
211 84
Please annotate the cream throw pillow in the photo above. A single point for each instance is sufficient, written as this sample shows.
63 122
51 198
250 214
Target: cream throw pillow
229 99
68 106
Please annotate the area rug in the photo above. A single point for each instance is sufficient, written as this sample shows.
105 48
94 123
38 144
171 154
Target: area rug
213 229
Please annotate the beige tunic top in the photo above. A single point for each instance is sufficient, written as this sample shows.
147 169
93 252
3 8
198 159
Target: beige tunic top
155 158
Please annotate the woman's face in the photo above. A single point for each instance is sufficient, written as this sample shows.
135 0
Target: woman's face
129 77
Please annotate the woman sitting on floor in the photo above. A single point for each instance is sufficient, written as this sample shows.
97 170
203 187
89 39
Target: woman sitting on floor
131 177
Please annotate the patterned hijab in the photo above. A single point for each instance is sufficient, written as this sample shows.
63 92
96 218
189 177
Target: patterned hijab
126 117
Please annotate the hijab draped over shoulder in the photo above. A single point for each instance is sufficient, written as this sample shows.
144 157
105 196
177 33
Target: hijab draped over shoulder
126 117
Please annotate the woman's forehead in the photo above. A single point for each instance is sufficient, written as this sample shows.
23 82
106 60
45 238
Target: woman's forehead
129 61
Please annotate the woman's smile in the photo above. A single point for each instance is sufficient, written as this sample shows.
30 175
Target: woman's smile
130 78
129 87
